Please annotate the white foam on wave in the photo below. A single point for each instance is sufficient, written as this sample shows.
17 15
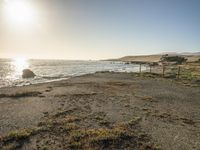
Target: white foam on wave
55 70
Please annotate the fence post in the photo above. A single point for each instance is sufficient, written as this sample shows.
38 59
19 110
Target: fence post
150 68
179 69
163 73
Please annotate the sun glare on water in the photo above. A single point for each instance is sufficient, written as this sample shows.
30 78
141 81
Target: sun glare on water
20 64
19 12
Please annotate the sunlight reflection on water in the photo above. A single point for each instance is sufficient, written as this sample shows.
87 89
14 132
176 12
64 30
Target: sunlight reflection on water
51 70
18 65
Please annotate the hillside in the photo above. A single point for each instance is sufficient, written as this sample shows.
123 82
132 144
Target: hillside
191 57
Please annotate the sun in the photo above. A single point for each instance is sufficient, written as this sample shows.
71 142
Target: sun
19 12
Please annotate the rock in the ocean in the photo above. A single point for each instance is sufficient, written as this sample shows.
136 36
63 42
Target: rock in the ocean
27 73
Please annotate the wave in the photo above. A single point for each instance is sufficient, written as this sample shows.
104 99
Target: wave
54 70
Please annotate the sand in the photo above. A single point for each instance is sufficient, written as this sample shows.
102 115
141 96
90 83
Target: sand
166 113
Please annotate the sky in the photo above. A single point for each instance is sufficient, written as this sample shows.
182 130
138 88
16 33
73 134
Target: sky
97 29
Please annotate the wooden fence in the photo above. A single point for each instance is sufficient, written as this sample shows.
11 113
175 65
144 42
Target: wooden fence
172 71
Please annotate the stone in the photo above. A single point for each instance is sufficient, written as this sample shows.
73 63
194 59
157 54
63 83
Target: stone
27 73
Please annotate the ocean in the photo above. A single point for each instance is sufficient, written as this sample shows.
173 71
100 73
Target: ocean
52 70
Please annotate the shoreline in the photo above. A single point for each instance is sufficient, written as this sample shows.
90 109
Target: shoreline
43 79
102 101
64 78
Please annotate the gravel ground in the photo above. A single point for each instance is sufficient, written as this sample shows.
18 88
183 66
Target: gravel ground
169 111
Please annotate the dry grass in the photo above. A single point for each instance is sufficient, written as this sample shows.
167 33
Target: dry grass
15 139
22 94
147 98
119 135
114 137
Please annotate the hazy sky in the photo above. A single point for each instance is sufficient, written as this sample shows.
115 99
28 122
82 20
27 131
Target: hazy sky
97 29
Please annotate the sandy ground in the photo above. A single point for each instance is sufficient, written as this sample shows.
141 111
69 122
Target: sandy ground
168 111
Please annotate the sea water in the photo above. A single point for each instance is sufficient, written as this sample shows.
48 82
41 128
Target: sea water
52 70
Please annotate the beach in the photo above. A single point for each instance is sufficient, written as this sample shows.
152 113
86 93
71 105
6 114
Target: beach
132 111
99 75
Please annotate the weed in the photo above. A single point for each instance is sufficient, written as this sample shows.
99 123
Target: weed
23 94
